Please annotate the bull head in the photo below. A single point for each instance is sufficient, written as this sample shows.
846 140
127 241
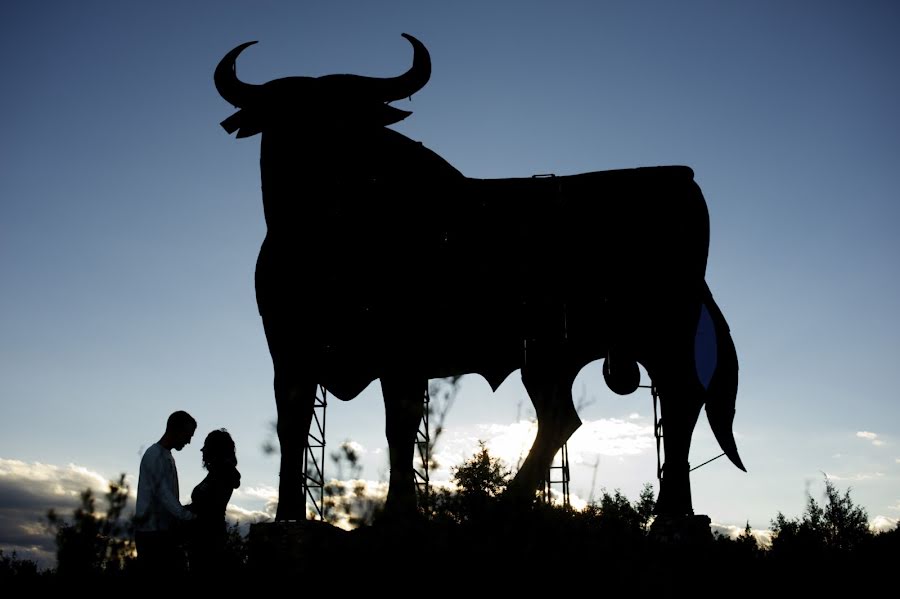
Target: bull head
349 100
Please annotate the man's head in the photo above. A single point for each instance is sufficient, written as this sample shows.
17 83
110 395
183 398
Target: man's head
179 429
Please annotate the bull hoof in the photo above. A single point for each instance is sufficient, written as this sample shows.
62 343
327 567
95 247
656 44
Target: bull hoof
399 507
289 514
518 496
674 500
291 506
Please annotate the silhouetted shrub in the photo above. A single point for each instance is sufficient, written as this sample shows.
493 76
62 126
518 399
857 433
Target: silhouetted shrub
95 543
836 528
11 566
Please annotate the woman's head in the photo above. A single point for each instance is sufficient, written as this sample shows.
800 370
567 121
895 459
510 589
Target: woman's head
218 450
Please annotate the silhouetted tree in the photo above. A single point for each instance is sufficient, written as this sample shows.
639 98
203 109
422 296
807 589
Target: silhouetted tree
481 475
349 498
234 556
747 545
12 566
95 543
479 482
614 515
441 393
837 526
645 505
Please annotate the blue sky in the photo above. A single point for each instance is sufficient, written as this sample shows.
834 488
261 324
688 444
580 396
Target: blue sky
130 222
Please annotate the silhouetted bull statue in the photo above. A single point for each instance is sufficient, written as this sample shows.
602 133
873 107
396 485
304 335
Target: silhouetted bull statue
383 261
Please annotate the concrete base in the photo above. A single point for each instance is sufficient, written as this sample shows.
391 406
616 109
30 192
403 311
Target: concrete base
294 548
691 530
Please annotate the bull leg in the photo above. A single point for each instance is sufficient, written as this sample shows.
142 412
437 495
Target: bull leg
680 404
295 401
403 406
548 380
672 369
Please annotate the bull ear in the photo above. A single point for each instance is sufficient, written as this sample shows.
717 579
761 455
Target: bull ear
242 122
388 115
248 131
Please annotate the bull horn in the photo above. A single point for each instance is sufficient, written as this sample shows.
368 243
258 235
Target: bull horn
233 90
404 86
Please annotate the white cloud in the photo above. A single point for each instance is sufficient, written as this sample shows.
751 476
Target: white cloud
609 437
235 514
883 523
895 507
354 446
763 536
855 477
510 442
264 492
634 416
51 481
353 500
577 503
28 491
870 436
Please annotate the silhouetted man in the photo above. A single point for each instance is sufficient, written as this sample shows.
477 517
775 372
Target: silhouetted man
158 508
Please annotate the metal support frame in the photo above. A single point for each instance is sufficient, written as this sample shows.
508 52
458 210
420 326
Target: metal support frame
314 456
423 449
657 431
564 477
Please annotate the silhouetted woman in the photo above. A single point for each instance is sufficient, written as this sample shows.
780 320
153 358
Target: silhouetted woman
209 499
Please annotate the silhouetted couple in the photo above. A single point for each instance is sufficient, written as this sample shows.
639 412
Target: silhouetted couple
162 523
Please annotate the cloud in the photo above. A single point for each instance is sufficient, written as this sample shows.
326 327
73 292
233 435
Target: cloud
27 492
763 536
351 501
577 503
855 477
235 514
353 446
895 507
870 436
243 517
509 442
611 437
265 492
883 523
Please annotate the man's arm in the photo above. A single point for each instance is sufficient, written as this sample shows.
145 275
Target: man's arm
166 492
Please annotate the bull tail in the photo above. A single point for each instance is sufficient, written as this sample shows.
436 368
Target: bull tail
717 368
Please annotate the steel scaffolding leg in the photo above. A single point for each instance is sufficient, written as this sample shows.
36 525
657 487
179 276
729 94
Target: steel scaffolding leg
314 456
562 472
423 450
657 432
